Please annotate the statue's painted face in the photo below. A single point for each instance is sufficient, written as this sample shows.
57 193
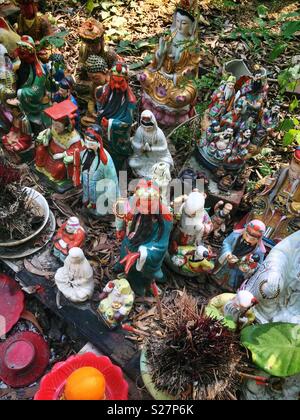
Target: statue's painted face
294 171
91 144
184 24
249 238
247 134
26 55
58 126
147 206
70 229
64 93
118 83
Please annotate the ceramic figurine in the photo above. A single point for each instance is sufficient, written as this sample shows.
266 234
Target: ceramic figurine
187 253
145 226
236 125
221 219
75 279
64 93
7 89
161 176
115 104
276 283
238 307
92 34
150 146
8 37
168 87
239 244
19 139
276 201
69 235
31 22
97 72
116 302
31 85
98 174
58 148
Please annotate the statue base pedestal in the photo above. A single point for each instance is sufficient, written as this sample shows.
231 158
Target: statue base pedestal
233 197
60 187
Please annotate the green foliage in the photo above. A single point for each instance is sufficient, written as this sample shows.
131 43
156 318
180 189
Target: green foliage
57 40
275 347
214 313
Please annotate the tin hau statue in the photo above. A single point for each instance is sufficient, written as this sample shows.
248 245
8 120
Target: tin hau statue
58 151
145 228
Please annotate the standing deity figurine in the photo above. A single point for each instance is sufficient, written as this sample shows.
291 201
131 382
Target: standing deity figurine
168 83
8 37
145 226
69 235
58 150
7 89
239 244
150 146
116 104
98 174
221 219
187 252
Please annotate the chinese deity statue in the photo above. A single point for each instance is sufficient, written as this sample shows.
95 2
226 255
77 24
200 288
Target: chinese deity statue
31 22
58 148
115 107
187 253
168 88
31 85
98 174
230 270
75 279
69 235
97 72
145 227
19 138
64 93
8 37
7 89
150 146
91 34
276 284
116 302
161 176
236 125
221 219
276 201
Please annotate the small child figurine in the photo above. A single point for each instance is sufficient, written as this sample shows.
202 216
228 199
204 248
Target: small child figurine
70 235
249 264
116 302
75 279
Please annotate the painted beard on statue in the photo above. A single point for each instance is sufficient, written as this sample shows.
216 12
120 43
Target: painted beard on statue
118 97
142 228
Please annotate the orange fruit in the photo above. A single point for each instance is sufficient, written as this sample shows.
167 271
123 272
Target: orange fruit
86 383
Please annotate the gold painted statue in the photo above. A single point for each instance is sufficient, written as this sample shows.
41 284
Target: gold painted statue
168 83
278 205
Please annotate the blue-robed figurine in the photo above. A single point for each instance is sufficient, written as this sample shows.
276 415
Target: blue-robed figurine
98 174
241 252
145 227
116 103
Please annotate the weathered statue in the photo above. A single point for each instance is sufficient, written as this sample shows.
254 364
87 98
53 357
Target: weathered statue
230 271
116 302
75 279
98 174
276 284
7 89
168 87
58 148
276 201
145 227
149 146
31 22
8 37
69 235
116 104
19 138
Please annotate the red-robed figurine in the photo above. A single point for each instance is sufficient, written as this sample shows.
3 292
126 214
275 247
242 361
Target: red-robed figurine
69 235
58 152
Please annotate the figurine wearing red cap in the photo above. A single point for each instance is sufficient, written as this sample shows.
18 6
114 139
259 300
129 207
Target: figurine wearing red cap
146 231
98 174
277 201
31 22
31 85
58 150
236 247
115 104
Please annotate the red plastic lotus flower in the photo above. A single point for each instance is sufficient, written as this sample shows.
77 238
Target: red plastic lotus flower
52 385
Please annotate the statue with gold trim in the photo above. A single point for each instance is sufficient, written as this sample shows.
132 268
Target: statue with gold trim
168 84
277 201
